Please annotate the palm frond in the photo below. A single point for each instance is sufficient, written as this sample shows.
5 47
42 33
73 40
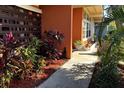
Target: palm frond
116 15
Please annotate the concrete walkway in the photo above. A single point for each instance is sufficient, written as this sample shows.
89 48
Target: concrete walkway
76 73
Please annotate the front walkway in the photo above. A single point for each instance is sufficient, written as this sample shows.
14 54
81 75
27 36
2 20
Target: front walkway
76 73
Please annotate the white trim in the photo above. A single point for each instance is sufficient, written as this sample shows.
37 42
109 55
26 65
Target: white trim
85 32
85 39
31 8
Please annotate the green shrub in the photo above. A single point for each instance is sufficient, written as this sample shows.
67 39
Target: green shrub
18 61
112 52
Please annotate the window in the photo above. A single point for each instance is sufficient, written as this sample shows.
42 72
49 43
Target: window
87 26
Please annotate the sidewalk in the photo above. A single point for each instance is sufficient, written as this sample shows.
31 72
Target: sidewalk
76 73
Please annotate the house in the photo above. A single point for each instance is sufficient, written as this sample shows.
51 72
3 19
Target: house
76 22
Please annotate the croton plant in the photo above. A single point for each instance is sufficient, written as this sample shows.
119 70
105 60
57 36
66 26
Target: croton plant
18 60
49 44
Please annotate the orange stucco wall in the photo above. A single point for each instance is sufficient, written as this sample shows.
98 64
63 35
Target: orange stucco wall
77 24
59 18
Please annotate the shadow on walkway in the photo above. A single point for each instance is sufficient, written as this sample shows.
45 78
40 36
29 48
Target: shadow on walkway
87 54
78 76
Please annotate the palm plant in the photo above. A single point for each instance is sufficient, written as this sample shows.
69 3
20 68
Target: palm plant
108 75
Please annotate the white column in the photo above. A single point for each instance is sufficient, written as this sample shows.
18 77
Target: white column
92 29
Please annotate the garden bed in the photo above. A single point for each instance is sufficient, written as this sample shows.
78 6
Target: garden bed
121 70
25 64
96 69
92 82
35 79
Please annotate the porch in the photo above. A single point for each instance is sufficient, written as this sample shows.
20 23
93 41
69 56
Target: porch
75 22
34 40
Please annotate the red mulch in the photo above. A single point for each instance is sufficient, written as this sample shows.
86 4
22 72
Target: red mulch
36 79
121 67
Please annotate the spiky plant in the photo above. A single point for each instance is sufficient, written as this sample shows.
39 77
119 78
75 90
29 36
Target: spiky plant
108 74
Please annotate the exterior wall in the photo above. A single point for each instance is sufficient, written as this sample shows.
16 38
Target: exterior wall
59 18
77 24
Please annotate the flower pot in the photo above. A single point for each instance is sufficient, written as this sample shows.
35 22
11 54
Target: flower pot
79 47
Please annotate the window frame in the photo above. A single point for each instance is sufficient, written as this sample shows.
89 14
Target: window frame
86 26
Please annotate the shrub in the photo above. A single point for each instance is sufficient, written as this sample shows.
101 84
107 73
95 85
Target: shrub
49 45
112 51
16 60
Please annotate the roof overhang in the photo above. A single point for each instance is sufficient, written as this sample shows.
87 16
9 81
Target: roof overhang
94 11
34 8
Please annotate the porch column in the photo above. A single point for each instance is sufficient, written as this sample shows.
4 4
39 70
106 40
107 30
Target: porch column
77 24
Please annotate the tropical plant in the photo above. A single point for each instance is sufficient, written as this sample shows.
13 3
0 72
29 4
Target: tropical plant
49 45
41 63
20 69
111 44
78 45
54 35
77 42
7 46
16 60
35 43
5 78
30 52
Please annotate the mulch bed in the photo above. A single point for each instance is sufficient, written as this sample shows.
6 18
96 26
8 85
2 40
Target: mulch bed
121 71
121 67
36 79
92 82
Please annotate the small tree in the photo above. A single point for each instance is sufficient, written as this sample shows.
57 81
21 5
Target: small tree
108 74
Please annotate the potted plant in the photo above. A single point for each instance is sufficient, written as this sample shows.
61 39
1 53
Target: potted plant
78 44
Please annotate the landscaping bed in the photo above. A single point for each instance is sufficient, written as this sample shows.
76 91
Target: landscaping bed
121 70
96 69
37 78
92 82
28 63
